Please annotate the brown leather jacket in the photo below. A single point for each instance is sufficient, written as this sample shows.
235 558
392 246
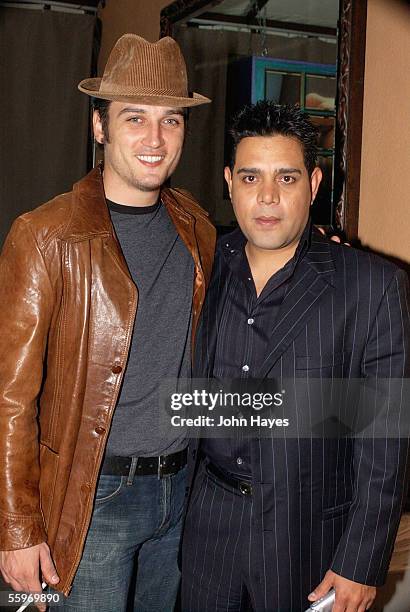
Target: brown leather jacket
67 308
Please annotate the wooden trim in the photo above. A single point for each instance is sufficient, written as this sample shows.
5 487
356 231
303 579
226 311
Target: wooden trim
349 119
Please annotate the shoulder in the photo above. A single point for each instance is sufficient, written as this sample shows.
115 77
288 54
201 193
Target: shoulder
230 240
47 221
203 229
362 262
224 244
361 272
79 212
353 262
189 203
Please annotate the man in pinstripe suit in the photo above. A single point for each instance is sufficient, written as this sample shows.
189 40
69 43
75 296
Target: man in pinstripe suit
275 522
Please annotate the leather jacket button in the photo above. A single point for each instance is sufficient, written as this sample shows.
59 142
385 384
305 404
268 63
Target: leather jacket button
116 369
100 430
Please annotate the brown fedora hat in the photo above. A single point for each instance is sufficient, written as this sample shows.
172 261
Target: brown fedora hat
149 73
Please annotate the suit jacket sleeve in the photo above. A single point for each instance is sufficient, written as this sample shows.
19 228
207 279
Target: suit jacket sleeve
25 313
380 462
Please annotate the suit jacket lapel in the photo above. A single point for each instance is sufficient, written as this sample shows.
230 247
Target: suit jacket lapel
311 280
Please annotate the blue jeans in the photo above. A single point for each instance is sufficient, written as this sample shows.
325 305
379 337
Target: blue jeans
141 522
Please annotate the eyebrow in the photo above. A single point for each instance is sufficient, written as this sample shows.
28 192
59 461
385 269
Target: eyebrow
289 171
278 171
142 111
248 171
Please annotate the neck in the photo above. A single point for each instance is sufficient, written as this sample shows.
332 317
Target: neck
264 263
272 259
118 191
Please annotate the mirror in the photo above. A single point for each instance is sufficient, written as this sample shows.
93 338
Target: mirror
239 51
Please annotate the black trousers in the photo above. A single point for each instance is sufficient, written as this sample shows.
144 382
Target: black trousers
218 572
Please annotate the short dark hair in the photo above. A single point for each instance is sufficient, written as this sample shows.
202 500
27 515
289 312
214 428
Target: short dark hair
102 108
265 118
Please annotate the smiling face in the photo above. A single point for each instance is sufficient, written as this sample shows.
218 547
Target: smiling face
143 150
271 192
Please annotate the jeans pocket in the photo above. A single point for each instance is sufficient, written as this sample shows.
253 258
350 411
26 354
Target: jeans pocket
178 489
108 487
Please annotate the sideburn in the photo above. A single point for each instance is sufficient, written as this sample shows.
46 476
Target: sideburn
104 124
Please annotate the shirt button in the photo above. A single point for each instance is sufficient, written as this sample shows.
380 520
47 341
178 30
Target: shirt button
100 430
251 321
239 461
245 368
116 369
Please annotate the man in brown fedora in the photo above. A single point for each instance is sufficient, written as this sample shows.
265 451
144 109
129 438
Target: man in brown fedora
105 285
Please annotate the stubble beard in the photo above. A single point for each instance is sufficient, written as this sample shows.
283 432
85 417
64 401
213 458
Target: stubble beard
145 186
127 176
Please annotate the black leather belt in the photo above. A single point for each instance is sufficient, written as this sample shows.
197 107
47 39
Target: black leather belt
164 465
240 485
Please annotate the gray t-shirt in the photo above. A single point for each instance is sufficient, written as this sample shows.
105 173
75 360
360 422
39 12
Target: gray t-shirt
163 270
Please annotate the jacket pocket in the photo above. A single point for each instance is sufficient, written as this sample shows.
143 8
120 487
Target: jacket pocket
336 511
326 360
48 473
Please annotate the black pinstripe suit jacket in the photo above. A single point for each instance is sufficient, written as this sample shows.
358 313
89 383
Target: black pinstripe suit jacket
333 503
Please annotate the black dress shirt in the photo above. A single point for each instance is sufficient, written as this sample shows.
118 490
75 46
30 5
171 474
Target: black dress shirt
244 328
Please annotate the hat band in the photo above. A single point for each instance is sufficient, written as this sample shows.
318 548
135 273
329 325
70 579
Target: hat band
122 90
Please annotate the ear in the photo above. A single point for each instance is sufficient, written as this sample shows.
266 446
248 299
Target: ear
228 179
97 127
315 180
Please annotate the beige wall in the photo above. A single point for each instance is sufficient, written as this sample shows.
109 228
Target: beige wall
384 221
120 16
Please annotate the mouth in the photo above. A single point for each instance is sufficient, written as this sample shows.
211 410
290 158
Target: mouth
267 221
151 160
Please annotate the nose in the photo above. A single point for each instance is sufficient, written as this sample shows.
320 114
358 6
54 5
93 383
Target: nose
153 137
269 192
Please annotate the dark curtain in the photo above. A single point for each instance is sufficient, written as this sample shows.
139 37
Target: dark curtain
44 119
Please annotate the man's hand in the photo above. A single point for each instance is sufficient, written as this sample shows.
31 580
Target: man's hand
332 237
350 596
21 569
